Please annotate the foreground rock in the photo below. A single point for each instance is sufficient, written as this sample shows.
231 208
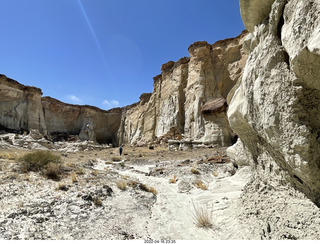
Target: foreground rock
275 110
253 12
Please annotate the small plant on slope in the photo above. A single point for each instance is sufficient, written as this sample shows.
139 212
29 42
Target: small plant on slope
202 217
173 180
122 185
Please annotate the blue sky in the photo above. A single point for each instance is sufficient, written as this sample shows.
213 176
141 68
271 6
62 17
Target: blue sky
105 53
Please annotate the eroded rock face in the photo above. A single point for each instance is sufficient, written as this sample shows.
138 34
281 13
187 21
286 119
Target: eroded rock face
181 91
275 111
20 107
189 98
90 123
24 109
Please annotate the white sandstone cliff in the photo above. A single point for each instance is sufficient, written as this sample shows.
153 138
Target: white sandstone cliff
182 90
275 110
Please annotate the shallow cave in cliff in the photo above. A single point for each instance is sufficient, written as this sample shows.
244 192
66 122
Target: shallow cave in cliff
8 130
62 136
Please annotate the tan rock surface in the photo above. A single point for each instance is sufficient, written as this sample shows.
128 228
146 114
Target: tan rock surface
253 12
20 106
179 93
183 88
24 109
72 119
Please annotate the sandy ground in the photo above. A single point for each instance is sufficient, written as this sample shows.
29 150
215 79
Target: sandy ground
129 214
87 202
172 214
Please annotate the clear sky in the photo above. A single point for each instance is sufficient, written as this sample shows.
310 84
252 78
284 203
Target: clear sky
105 53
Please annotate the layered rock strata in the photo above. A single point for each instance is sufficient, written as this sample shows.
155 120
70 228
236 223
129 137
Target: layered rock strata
24 109
275 110
182 92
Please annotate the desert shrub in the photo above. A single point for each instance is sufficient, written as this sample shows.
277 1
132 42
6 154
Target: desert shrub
173 180
124 177
122 185
52 171
80 171
73 177
9 156
116 159
199 184
97 201
195 171
153 190
3 165
202 217
62 187
132 183
145 188
38 160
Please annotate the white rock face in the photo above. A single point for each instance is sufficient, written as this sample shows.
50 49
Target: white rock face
275 111
183 88
301 39
172 111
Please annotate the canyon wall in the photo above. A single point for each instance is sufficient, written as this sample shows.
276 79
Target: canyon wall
90 123
24 109
189 97
20 107
188 103
276 107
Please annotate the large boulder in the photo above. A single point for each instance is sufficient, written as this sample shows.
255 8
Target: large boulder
253 12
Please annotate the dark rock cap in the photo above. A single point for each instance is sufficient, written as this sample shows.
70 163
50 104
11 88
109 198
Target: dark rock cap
214 106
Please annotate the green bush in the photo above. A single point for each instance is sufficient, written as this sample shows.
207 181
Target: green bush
40 160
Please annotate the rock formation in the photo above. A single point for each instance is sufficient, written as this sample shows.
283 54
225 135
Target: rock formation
90 123
275 110
20 107
188 98
23 109
182 92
